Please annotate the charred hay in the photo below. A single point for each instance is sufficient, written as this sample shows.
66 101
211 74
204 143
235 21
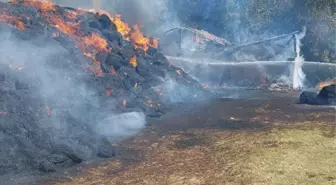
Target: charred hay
327 96
87 80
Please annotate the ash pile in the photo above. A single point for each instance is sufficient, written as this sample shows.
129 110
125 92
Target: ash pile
72 80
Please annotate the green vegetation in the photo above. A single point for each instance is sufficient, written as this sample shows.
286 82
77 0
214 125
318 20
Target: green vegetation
227 18
318 15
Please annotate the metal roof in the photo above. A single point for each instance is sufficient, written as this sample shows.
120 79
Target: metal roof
203 34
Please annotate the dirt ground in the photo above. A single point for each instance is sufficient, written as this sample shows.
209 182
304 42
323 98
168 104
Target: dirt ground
270 141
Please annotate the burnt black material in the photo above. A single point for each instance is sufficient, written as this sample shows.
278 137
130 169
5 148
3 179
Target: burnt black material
327 96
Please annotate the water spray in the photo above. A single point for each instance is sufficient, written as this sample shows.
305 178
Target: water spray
297 75
96 4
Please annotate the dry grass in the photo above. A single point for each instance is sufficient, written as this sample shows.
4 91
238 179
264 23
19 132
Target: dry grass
302 155
296 157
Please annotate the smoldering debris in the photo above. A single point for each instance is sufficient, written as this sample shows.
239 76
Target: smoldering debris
326 96
71 80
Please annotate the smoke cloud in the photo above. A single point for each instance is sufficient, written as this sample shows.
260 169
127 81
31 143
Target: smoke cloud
121 125
153 16
53 100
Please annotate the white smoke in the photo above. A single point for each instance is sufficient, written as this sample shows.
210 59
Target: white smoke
64 90
121 125
298 75
153 16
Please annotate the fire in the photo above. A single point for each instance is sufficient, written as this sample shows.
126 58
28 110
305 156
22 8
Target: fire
122 27
97 41
71 15
326 83
19 25
133 61
141 41
44 5
90 55
63 26
97 70
134 35
136 85
16 21
154 42
91 44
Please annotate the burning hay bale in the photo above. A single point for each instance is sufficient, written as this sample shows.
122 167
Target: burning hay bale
70 78
327 96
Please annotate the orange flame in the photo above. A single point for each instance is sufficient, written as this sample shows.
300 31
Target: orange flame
139 40
326 83
16 21
97 70
154 42
44 5
87 43
64 27
71 15
19 25
122 27
133 61
97 41
135 35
